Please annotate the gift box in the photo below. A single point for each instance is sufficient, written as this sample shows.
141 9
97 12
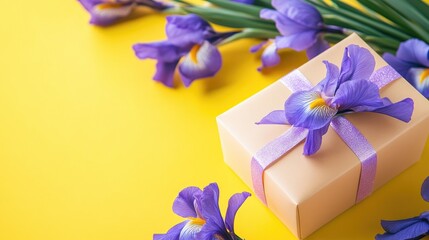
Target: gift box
306 192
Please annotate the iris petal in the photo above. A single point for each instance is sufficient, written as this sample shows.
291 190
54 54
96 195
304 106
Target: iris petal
330 83
414 51
234 204
358 63
275 117
425 190
317 48
270 57
314 140
190 230
301 12
188 29
308 110
210 207
402 67
416 230
398 225
205 62
165 73
402 110
353 95
163 51
258 47
298 42
172 234
284 25
419 78
184 203
108 13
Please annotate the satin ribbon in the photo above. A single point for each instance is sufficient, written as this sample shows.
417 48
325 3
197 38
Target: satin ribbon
274 150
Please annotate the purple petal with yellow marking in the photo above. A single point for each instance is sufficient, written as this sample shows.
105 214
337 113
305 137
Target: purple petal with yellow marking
172 234
419 78
201 62
309 110
191 229
104 13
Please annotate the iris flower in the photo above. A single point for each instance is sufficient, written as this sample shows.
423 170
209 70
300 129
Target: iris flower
412 62
300 25
269 56
343 91
107 12
190 46
411 228
203 218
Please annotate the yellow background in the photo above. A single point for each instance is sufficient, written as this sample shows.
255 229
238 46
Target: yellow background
92 148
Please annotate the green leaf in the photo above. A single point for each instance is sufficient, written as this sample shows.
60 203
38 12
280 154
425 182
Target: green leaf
387 12
420 6
229 18
340 21
251 33
363 20
263 3
379 25
333 38
407 10
238 7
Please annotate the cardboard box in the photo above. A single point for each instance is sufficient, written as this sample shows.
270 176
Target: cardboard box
306 192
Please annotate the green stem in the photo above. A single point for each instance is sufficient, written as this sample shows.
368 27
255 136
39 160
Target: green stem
230 18
251 33
364 20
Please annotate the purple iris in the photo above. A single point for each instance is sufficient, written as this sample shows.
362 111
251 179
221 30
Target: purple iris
190 40
412 62
343 91
300 25
107 12
269 56
410 228
203 218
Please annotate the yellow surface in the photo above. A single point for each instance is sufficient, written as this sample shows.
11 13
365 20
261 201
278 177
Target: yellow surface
92 148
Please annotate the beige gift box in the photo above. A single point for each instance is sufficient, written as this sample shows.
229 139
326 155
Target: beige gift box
306 192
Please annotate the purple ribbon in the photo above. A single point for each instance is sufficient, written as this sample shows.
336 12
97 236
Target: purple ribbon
354 139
